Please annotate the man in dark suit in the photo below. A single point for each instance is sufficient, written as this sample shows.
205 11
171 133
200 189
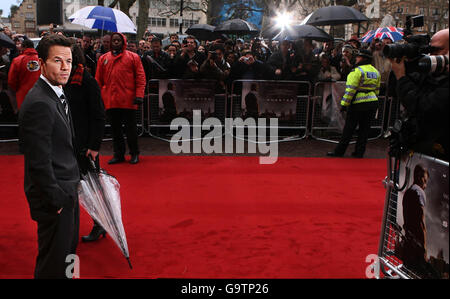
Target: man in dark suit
51 170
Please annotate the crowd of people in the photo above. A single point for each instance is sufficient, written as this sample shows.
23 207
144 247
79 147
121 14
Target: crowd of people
65 88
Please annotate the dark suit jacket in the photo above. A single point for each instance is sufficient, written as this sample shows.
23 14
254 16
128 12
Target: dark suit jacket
88 112
46 140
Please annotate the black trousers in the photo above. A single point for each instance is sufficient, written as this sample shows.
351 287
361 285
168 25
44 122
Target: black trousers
126 118
57 238
355 117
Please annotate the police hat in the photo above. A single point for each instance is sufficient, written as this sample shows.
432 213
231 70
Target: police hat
364 53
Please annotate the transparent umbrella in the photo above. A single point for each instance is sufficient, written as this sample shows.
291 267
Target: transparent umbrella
99 195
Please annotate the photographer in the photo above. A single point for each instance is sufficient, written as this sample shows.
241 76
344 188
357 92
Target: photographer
283 62
425 98
215 67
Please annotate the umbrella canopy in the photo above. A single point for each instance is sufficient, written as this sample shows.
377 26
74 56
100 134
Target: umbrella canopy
335 15
6 42
303 31
204 32
99 195
104 18
393 33
237 26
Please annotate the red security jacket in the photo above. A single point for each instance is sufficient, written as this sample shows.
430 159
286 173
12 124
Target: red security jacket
23 73
121 78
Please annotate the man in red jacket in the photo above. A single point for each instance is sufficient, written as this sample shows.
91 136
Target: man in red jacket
121 78
24 71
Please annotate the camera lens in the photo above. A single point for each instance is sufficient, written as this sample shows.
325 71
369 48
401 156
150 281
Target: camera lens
433 64
400 50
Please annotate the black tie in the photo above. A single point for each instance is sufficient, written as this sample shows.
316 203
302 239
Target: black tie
64 102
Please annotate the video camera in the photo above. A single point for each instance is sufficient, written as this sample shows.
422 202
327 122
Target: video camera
416 49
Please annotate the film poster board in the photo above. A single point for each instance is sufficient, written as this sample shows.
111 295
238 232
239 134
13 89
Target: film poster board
178 98
269 100
423 215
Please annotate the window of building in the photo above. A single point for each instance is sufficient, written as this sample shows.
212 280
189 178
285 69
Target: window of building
29 25
29 6
29 15
16 25
157 22
173 23
189 23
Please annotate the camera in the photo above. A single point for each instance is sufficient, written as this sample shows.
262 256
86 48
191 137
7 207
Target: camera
415 50
213 54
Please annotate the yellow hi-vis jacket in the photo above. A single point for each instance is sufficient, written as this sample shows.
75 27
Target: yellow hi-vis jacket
363 85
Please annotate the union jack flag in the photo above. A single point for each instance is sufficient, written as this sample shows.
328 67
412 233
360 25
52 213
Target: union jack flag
393 33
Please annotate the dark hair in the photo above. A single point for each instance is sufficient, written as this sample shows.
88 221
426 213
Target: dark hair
419 173
156 40
49 41
217 47
27 43
77 56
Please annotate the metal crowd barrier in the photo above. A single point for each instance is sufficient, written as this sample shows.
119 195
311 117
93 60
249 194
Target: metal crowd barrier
393 244
328 122
281 97
197 95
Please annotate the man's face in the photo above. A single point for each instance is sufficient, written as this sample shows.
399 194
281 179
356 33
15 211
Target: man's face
106 41
147 46
132 47
58 65
173 38
219 55
116 42
156 47
439 43
141 44
172 51
86 42
424 181
191 45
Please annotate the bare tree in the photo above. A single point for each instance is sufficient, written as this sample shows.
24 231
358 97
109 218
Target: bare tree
142 21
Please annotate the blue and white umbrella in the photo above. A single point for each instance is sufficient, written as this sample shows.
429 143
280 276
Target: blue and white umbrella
104 18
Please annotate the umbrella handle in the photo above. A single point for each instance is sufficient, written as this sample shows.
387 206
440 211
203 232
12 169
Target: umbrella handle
94 167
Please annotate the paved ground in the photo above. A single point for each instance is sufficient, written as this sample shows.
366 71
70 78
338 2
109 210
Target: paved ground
302 148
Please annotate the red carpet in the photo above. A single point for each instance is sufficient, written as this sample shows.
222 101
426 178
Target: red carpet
219 217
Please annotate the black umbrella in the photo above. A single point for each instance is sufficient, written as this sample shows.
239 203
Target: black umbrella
335 15
6 42
237 26
303 31
204 32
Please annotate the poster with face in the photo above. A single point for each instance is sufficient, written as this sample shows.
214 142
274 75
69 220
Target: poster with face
423 215
178 98
269 100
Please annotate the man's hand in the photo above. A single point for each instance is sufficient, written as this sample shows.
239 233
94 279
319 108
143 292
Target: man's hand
138 101
278 72
92 153
398 67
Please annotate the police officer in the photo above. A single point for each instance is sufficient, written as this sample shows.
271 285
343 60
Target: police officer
360 101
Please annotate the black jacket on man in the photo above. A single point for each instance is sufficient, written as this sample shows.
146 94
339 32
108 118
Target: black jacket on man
426 100
51 177
156 65
88 115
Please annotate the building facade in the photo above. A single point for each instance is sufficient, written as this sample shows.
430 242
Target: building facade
163 16
24 19
435 13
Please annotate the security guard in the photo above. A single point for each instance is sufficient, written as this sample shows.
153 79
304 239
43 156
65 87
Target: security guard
360 101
